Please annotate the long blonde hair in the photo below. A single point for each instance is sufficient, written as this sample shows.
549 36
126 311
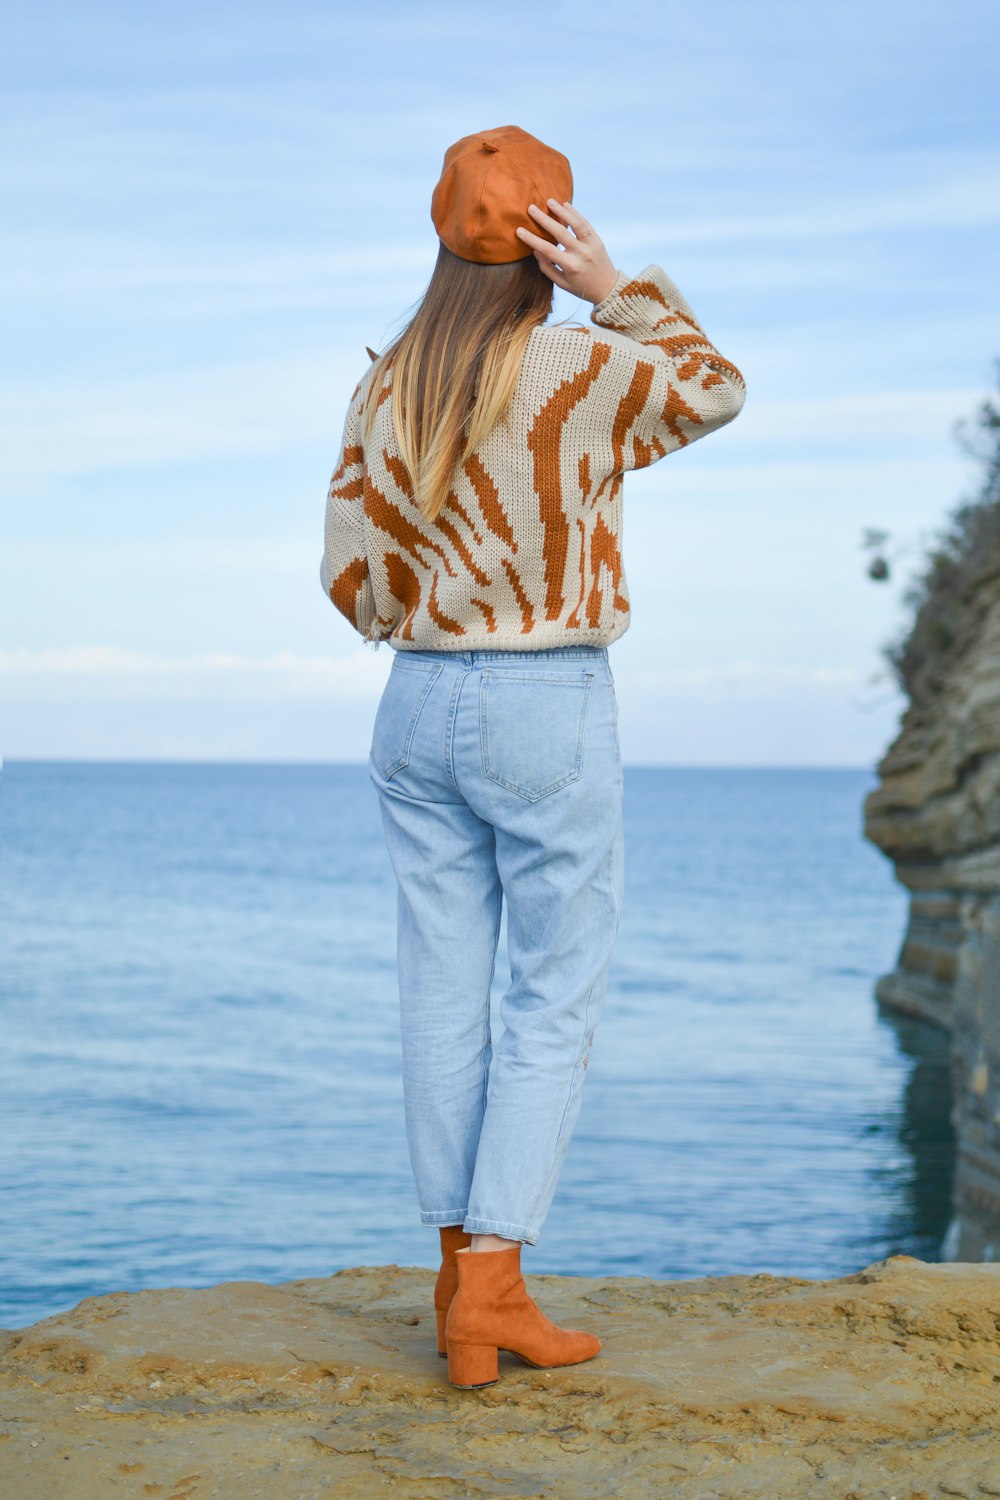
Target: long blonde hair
455 365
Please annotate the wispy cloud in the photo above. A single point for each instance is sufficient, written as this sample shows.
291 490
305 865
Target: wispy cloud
361 675
276 674
61 427
200 241
238 276
967 201
744 681
58 428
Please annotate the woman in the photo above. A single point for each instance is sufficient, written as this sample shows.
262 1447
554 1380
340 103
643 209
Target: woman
474 521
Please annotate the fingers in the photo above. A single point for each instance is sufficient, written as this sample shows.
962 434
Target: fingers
554 226
566 257
563 237
545 247
548 256
557 277
575 220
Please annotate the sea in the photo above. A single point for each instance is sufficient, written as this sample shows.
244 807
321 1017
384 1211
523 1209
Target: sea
199 1066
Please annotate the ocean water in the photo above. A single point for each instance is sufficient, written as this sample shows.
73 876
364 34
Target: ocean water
199 1072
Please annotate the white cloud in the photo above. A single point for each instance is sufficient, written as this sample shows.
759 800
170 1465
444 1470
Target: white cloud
112 264
749 681
280 674
953 202
123 673
90 261
252 407
746 673
56 429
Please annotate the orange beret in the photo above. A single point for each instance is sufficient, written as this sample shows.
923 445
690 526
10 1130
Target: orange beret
486 184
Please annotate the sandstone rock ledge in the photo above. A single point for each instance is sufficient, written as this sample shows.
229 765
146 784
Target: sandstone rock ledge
936 814
878 1384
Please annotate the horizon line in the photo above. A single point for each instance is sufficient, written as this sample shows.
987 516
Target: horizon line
101 760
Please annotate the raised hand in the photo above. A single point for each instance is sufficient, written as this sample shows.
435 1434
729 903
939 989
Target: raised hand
578 262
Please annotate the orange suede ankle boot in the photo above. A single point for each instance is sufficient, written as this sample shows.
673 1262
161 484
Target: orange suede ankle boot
491 1311
453 1237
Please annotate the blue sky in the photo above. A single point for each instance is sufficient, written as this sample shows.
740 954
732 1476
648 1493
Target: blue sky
212 209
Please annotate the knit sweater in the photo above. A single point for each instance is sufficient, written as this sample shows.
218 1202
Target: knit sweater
527 551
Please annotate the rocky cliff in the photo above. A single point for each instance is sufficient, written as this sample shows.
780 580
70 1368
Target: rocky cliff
881 1384
936 814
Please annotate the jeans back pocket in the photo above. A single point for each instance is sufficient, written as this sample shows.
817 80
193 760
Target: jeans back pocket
532 728
403 696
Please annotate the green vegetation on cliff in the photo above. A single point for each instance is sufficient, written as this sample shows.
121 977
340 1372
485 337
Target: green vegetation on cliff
964 558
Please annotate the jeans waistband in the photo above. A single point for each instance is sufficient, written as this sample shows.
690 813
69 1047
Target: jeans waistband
484 656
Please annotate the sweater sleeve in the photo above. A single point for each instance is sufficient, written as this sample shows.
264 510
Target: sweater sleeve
344 566
680 388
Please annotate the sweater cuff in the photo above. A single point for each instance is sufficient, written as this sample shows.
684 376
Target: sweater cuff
611 306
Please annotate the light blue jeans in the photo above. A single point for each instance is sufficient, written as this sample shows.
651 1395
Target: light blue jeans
499 775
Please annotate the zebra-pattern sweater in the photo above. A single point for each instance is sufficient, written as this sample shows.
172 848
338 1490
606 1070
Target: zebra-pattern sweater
527 551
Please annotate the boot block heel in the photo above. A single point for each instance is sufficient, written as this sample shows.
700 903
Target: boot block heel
442 1318
472 1365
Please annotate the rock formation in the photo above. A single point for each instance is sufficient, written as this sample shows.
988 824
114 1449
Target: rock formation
936 814
879 1384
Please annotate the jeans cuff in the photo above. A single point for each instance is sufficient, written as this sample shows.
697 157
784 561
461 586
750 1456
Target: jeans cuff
443 1216
505 1231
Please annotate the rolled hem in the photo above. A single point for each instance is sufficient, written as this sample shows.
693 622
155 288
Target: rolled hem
443 1216
505 1231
